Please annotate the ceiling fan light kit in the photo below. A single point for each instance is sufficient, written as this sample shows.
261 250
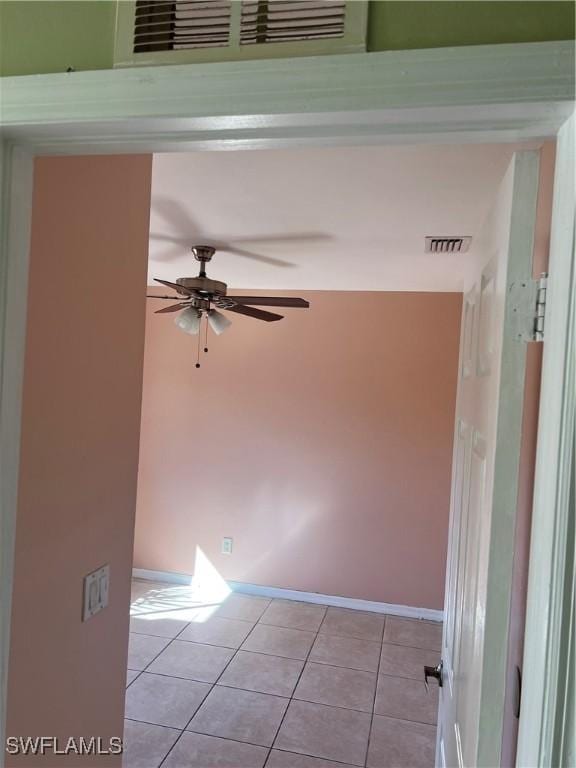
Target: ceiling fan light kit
189 320
201 297
218 322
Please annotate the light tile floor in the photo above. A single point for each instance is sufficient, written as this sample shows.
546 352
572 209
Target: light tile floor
248 682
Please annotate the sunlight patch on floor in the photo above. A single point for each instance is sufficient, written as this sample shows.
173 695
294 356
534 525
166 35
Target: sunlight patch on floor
194 602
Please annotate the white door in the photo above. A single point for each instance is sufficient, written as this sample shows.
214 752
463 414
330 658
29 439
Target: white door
495 322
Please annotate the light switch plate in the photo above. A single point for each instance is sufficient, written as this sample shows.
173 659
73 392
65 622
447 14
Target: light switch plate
95 592
227 545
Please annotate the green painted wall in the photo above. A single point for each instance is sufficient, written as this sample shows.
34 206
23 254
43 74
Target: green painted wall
402 24
38 36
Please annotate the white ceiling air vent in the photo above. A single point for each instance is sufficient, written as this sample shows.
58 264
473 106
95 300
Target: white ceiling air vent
274 21
452 244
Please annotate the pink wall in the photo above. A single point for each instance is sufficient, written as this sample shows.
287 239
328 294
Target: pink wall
322 444
79 453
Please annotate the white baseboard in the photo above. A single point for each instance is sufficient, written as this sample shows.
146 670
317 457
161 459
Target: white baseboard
163 577
354 603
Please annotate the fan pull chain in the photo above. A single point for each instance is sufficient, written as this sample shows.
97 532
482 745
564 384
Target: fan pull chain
206 336
198 347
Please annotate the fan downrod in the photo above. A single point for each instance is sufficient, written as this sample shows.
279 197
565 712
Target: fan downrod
203 254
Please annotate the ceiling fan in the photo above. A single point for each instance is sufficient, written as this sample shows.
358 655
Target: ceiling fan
201 297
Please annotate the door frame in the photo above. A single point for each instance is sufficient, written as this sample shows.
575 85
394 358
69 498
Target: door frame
476 94
550 586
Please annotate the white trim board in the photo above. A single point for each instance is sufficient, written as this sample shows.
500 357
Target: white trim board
162 577
482 93
356 604
517 73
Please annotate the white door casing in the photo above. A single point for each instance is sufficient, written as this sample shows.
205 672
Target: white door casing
547 727
485 475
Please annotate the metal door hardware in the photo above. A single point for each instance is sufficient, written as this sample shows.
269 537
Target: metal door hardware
435 672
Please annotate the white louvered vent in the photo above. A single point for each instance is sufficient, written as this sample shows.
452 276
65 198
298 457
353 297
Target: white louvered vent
274 21
174 25
455 244
152 32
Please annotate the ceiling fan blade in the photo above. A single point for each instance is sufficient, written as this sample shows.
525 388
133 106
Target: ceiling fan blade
179 217
229 248
270 301
152 296
183 250
180 240
259 314
176 286
294 237
171 308
176 214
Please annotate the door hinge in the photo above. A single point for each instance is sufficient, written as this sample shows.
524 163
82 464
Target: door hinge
528 308
540 314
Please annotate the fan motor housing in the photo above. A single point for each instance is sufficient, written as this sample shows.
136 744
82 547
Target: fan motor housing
203 284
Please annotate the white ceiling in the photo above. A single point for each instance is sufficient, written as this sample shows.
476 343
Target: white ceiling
340 218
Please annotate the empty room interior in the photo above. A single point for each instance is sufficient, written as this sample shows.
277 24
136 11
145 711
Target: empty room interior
264 501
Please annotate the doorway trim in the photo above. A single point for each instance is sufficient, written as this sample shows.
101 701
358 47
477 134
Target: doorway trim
550 589
500 93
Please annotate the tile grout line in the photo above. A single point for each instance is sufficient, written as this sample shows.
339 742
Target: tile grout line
275 655
136 678
182 732
305 754
375 694
263 746
267 693
295 629
312 644
305 701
